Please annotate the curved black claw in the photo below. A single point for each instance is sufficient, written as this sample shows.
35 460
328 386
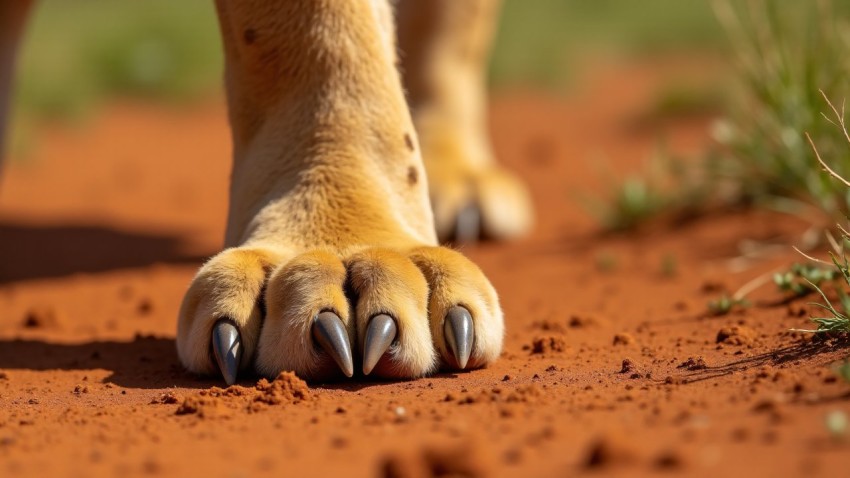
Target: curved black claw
468 225
331 335
380 333
227 349
459 335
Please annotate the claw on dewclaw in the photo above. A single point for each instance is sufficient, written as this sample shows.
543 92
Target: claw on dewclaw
380 333
227 349
329 332
459 334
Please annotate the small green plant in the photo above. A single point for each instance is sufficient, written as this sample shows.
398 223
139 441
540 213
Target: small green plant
633 202
801 278
725 304
665 185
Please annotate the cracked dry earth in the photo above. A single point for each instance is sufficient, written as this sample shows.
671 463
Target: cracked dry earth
611 364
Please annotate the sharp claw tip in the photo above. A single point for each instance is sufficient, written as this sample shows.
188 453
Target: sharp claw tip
227 349
330 334
380 334
460 335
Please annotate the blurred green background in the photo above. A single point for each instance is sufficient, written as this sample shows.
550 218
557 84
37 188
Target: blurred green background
77 53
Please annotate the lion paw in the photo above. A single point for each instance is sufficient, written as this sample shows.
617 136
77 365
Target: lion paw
397 314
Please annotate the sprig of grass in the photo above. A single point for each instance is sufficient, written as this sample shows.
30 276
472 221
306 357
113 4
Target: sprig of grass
839 321
799 279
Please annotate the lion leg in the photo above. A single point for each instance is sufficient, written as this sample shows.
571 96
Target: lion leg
332 266
445 47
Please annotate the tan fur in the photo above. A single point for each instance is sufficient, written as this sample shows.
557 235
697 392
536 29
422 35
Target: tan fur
329 202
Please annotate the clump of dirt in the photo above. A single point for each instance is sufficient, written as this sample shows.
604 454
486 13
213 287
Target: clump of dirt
630 368
168 398
549 344
714 287
202 405
286 388
693 364
583 321
669 460
145 306
610 450
623 339
40 317
771 406
461 459
739 335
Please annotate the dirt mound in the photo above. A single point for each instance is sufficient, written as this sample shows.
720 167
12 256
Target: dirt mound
286 388
738 335
549 344
693 363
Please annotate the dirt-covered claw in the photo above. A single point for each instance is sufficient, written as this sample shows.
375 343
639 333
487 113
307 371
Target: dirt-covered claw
380 334
227 349
459 334
329 332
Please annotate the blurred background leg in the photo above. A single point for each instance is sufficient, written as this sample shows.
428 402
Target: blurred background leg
445 47
444 50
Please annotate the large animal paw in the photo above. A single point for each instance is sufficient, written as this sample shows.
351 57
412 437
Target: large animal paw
469 205
472 198
394 313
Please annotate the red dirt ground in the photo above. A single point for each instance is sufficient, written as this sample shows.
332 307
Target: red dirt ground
610 364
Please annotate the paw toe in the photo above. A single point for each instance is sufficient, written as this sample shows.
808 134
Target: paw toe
459 294
220 318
